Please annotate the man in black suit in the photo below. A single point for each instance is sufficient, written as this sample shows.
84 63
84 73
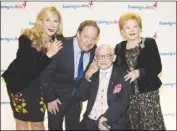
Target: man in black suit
66 70
107 93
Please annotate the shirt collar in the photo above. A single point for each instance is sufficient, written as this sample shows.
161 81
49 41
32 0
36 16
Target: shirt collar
109 70
76 46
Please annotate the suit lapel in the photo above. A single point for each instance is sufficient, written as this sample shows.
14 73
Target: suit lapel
70 54
94 90
112 83
116 78
92 54
141 57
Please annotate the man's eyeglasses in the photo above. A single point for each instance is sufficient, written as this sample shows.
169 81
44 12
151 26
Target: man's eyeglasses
100 57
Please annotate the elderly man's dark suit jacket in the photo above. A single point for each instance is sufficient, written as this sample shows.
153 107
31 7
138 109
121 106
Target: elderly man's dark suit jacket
118 103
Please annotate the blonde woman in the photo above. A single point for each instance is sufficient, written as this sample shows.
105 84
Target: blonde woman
36 49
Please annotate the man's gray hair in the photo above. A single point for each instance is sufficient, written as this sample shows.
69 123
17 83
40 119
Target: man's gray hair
111 49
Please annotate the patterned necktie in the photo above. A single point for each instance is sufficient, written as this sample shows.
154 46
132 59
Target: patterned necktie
103 75
80 72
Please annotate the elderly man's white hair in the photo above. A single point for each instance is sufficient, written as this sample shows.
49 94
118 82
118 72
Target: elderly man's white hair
111 49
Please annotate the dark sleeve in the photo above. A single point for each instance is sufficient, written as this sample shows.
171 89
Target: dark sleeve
47 81
25 67
118 61
154 65
30 58
83 89
120 104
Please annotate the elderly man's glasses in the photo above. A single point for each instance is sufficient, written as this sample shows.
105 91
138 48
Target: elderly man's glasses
100 57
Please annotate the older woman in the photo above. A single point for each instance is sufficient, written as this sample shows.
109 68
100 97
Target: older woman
140 56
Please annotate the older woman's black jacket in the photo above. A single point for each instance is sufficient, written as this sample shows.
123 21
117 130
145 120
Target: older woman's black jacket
148 63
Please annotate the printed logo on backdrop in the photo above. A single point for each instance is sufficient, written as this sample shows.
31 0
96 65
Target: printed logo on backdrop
14 6
9 39
80 5
107 22
167 23
167 53
104 22
143 7
31 23
155 35
5 102
170 114
2 70
170 84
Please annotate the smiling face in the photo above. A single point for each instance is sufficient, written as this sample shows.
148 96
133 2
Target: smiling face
130 25
105 56
50 25
87 38
131 29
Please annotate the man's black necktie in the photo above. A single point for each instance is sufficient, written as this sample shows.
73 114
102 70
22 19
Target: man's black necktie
80 72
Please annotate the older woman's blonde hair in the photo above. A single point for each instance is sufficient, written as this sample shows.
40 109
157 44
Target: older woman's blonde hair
127 16
35 33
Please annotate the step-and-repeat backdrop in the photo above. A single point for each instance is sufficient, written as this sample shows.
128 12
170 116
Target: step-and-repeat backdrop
159 22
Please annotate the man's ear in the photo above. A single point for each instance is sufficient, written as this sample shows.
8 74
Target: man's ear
78 34
114 58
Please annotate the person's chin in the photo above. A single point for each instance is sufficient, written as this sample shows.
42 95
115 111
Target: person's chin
86 49
132 37
104 67
50 34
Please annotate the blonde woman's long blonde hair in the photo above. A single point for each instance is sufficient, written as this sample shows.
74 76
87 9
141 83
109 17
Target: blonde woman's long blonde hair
35 33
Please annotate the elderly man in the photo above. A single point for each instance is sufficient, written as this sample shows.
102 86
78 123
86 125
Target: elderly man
107 93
